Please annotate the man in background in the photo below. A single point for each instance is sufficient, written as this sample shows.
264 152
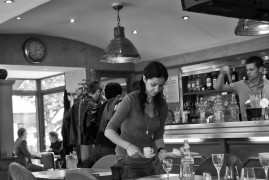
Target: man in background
103 146
255 85
21 150
82 119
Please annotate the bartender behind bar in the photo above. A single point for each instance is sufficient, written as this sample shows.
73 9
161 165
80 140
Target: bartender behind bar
255 85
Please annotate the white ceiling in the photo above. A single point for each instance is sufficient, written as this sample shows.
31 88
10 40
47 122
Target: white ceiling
161 30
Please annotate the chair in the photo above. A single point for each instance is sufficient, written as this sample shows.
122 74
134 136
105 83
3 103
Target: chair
19 172
75 174
47 160
208 166
105 162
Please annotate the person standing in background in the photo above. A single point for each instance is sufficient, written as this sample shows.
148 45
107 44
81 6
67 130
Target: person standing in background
141 118
81 120
21 150
255 85
103 146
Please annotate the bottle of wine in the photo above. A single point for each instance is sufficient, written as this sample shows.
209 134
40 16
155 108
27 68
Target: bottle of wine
234 109
189 84
214 78
234 76
265 74
209 83
193 83
197 83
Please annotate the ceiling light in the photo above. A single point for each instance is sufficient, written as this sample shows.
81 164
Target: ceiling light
134 31
185 17
247 27
120 49
18 18
9 1
72 20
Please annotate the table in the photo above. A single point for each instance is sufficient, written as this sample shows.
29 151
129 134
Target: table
60 173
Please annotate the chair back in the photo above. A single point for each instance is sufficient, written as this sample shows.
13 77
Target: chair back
208 166
105 162
47 160
79 174
19 172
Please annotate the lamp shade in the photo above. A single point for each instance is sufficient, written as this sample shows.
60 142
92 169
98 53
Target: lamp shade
120 49
247 27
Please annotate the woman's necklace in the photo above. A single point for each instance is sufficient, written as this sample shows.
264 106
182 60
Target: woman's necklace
148 124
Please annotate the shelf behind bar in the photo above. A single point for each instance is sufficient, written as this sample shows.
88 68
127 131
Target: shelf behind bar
240 129
203 92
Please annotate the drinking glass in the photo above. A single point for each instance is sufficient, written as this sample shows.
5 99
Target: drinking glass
248 174
217 160
264 160
167 166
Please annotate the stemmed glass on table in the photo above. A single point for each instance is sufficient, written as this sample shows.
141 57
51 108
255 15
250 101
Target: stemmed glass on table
217 160
264 160
167 166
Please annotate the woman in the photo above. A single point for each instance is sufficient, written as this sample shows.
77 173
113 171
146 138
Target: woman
141 116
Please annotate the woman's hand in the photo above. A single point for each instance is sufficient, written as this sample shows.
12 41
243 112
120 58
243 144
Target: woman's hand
162 154
133 151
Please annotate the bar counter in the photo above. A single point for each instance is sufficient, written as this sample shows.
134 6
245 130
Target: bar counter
241 129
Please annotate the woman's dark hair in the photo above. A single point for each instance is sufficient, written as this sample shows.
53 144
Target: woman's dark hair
154 69
258 61
112 89
54 134
21 132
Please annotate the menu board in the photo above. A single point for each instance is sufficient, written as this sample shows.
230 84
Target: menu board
171 90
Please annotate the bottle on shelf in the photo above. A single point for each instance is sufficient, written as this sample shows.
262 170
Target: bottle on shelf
186 113
234 75
193 83
234 109
202 111
187 163
209 84
214 78
265 73
189 84
197 83
218 110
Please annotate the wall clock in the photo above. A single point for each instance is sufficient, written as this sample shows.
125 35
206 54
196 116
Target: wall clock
34 50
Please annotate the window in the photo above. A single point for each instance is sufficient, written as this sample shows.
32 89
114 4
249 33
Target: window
52 82
53 114
27 111
25 115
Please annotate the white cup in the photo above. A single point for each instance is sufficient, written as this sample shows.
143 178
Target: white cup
147 151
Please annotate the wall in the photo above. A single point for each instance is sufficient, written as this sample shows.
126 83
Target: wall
60 52
230 51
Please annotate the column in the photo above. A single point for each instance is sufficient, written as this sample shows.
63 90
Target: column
6 117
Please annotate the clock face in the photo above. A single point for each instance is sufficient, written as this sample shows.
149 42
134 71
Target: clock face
34 50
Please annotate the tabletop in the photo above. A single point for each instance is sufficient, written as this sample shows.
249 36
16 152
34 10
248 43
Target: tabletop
60 173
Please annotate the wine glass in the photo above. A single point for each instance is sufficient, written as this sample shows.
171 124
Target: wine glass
167 166
264 160
217 160
247 174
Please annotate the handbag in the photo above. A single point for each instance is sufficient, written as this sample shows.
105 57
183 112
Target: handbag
135 168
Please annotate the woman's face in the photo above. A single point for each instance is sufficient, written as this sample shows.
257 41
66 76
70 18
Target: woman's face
154 85
52 139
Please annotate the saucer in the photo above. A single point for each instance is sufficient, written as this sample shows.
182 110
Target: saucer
151 156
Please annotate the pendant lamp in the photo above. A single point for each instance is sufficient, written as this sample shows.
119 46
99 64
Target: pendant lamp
248 27
120 49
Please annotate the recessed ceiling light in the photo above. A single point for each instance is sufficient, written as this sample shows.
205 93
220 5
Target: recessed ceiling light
9 1
72 20
18 18
185 17
135 32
